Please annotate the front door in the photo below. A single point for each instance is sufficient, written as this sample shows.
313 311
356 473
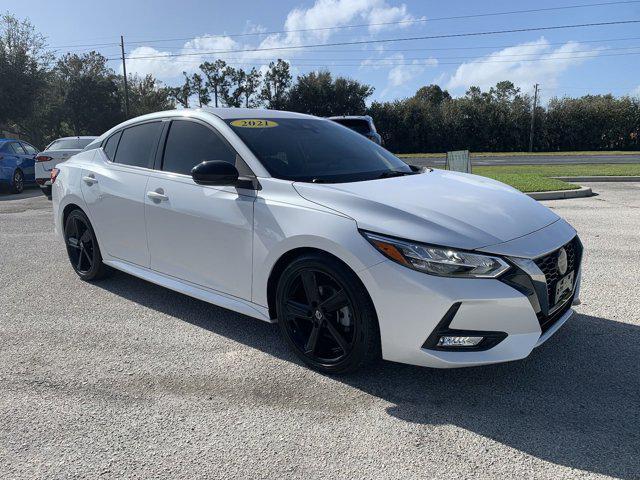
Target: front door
201 234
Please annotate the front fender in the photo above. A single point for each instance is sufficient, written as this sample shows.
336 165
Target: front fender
282 227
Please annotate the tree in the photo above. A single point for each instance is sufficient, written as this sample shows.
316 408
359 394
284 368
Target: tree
146 95
90 93
218 77
318 94
24 63
200 89
275 88
244 88
432 94
232 96
251 87
182 93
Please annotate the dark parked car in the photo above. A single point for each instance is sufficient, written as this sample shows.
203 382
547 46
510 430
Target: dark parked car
17 164
363 124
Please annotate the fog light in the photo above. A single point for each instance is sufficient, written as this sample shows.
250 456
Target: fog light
448 341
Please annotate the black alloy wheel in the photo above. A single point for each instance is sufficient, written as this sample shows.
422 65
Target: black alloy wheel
18 181
82 247
326 316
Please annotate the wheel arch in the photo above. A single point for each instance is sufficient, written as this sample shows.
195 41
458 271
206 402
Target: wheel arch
285 259
67 210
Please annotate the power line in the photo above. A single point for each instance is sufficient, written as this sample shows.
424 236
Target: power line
379 24
249 63
415 49
405 39
466 57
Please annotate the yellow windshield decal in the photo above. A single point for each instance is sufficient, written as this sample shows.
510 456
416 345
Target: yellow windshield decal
254 123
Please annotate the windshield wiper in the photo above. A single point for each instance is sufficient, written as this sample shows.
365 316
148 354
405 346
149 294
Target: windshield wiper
394 173
321 180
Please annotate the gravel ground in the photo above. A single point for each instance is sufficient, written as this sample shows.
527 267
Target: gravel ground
124 379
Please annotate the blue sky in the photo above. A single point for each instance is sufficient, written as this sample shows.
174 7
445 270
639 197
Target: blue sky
568 62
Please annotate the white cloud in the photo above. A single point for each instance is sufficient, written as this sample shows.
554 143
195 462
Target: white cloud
401 71
166 67
635 92
404 73
523 64
321 15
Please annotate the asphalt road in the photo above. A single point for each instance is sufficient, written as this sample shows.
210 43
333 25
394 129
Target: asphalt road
531 160
124 379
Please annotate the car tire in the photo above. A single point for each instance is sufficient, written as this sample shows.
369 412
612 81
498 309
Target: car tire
335 329
46 190
82 247
17 182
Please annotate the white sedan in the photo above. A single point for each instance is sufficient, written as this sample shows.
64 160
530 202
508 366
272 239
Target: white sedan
57 151
291 218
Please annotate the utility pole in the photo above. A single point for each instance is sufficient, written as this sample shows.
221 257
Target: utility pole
126 86
533 116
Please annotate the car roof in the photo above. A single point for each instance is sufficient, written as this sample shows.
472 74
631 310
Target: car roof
89 137
223 113
351 117
230 113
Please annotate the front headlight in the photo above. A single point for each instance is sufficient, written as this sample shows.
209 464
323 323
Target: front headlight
445 262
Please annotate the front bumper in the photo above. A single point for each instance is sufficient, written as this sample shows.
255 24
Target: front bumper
411 306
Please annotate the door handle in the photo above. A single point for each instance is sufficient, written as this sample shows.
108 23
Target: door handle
89 179
157 196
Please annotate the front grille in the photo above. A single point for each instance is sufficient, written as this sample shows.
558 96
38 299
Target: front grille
549 266
546 321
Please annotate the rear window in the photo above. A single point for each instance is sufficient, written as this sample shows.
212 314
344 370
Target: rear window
138 144
111 145
30 149
360 126
70 144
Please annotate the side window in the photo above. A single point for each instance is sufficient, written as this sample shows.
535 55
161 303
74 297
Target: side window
30 149
138 144
190 143
111 145
16 148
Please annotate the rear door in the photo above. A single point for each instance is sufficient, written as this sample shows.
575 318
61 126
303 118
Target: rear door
201 234
114 189
24 161
30 160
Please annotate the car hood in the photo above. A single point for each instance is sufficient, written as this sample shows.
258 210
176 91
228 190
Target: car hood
438 207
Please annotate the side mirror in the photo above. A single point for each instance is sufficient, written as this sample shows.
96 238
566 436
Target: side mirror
215 172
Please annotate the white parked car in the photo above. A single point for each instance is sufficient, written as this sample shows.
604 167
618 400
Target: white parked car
57 151
291 217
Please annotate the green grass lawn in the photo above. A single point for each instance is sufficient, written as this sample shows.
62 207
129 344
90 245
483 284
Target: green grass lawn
518 154
536 178
528 182
613 169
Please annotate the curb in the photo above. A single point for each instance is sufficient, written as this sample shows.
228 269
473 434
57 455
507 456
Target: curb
609 178
561 194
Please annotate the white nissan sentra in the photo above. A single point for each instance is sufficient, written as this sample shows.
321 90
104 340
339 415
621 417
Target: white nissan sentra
296 219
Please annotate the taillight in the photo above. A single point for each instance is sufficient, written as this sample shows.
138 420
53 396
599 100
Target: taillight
43 158
54 175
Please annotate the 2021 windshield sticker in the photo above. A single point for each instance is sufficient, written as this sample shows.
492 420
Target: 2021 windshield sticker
254 123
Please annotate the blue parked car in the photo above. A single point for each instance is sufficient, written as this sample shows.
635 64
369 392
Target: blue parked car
17 164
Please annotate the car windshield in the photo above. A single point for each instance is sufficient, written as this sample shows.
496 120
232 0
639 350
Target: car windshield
316 150
70 144
360 126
